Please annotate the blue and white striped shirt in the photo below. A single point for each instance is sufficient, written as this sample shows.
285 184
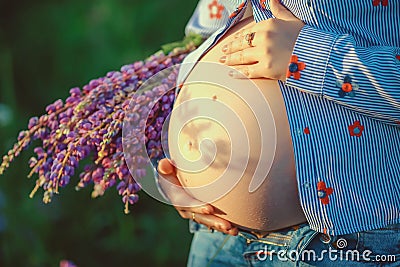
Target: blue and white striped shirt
346 142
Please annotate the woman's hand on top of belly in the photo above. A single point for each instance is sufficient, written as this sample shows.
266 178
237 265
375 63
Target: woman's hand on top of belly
268 53
196 210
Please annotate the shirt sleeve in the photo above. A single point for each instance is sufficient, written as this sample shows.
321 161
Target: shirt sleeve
208 17
365 79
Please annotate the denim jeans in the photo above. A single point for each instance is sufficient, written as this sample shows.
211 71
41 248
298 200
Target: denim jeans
294 246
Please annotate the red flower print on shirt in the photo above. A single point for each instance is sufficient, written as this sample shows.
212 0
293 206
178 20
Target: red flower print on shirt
398 57
347 87
295 67
324 192
356 129
238 9
263 3
377 2
215 10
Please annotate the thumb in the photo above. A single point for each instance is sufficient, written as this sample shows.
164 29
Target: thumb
165 166
167 171
173 189
280 12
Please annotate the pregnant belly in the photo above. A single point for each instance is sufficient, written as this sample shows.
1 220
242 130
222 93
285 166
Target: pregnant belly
231 144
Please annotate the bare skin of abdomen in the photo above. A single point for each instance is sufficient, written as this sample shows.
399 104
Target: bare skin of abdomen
208 149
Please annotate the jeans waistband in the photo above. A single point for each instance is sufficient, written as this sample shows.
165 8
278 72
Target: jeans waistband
294 238
263 234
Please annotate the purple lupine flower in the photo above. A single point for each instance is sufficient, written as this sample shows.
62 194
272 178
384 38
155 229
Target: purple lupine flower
66 263
89 125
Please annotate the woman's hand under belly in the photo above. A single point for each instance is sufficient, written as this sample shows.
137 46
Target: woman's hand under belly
215 140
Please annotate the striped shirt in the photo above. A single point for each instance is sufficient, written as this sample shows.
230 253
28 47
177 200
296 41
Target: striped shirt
343 112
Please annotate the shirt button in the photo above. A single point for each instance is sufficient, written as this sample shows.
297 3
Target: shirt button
321 193
347 87
326 239
293 67
307 185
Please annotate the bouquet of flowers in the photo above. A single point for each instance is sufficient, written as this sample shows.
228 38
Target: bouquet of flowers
88 125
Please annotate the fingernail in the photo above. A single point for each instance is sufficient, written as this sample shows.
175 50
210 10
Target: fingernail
221 226
206 210
225 48
222 59
234 231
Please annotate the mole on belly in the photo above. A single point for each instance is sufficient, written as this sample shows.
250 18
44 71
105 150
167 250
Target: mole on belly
190 144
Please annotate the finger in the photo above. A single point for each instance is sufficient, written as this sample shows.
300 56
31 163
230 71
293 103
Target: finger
239 43
165 166
178 196
241 33
281 12
245 72
175 192
167 171
202 209
247 56
245 30
216 223
212 222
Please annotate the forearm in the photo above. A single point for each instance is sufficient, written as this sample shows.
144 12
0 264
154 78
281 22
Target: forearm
365 79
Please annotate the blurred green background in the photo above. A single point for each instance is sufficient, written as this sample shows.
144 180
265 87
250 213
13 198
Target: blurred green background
47 47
